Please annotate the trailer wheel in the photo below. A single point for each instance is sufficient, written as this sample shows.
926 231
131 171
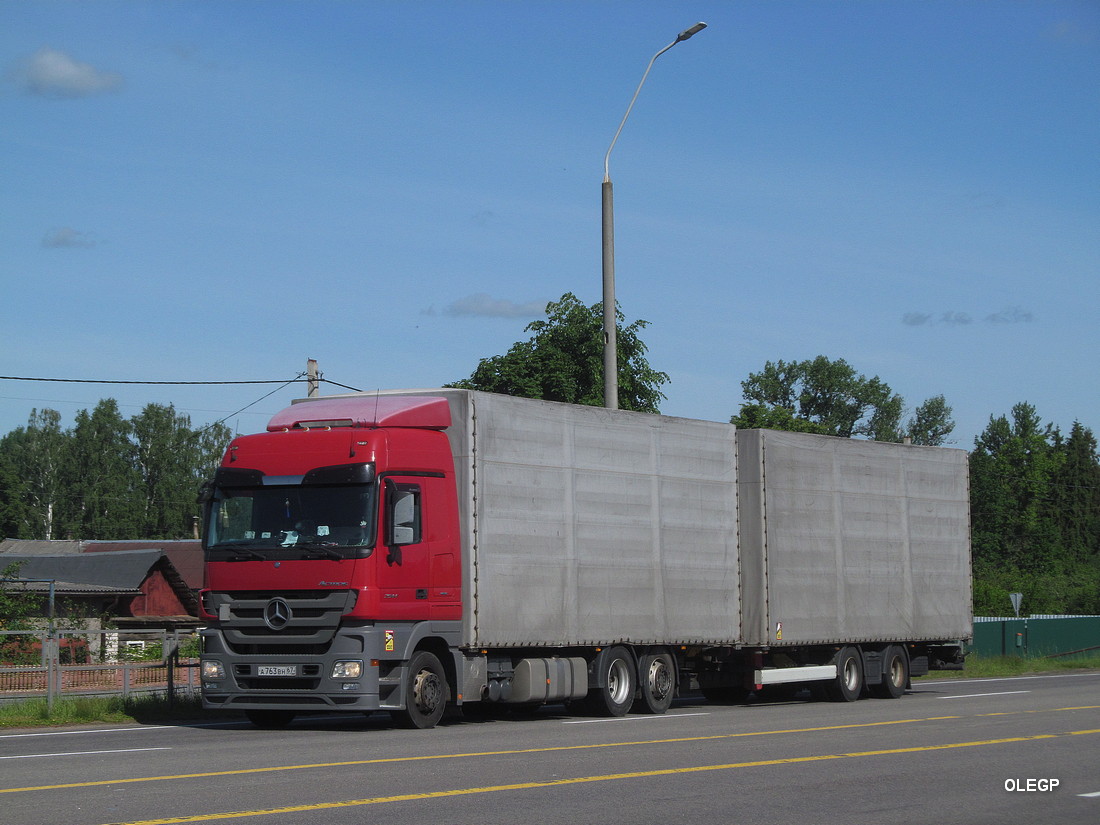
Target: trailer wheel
895 673
616 695
425 693
849 676
270 719
657 683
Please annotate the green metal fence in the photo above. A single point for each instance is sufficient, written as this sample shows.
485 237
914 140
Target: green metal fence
1038 636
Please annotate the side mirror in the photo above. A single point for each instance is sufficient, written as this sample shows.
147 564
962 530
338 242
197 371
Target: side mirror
402 518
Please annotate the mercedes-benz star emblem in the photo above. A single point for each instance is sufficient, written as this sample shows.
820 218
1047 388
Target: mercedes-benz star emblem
277 614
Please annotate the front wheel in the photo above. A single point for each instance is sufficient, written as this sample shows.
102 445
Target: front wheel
426 692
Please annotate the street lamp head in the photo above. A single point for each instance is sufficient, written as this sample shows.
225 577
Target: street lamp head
694 30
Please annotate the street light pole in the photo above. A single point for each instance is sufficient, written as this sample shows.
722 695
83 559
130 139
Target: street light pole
610 341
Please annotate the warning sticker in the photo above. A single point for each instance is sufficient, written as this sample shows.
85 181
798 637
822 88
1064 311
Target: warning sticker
389 641
779 631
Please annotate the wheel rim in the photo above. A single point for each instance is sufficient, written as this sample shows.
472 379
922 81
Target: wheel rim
618 682
851 674
659 678
427 691
897 672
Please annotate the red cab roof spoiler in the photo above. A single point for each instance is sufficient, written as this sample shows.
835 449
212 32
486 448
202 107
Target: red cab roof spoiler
426 412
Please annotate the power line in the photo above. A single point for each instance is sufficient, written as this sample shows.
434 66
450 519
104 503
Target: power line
178 383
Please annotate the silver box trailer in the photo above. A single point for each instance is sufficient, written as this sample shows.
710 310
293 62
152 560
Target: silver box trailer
849 541
584 526
587 526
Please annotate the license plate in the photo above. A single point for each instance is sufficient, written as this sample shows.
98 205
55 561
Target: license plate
277 670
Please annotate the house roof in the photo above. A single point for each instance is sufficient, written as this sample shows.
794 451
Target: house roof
185 555
121 572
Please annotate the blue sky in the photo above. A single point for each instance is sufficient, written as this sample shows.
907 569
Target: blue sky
218 191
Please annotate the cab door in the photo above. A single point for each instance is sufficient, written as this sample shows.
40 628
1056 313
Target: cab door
405 565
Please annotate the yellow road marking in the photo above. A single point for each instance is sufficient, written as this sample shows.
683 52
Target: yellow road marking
392 759
523 786
353 763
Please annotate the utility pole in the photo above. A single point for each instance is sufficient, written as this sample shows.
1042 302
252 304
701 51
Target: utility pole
313 379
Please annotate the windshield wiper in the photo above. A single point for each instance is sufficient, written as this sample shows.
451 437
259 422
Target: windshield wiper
243 554
323 549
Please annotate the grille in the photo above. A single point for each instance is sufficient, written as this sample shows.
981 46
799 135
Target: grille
314 619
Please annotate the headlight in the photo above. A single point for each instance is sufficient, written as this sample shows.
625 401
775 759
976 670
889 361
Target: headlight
212 670
347 670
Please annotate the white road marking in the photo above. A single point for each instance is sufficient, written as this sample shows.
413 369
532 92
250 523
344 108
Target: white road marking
1093 794
647 718
73 732
82 753
975 695
141 729
930 682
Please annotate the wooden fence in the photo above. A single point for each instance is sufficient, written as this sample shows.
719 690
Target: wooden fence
104 668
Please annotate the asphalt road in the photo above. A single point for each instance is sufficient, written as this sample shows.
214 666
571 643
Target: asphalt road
1021 750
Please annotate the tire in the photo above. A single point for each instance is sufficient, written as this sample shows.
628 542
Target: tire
616 696
895 673
426 692
270 719
656 683
848 684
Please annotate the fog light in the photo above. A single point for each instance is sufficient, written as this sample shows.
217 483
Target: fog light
212 670
347 670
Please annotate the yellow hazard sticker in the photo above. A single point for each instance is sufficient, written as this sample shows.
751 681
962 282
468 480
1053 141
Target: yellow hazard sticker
389 641
779 631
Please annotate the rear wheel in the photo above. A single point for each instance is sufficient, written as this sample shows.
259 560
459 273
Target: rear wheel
425 692
657 683
616 695
848 683
895 673
270 719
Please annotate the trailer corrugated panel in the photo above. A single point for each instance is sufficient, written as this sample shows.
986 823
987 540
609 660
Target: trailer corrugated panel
849 540
583 525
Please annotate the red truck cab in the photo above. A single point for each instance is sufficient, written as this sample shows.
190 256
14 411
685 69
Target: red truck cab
331 541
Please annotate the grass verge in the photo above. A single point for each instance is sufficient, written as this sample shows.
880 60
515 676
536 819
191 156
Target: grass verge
991 667
82 710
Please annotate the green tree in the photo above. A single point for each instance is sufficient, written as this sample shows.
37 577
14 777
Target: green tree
99 475
931 424
563 361
821 396
1077 495
107 477
1035 505
17 608
36 454
14 513
172 460
1011 469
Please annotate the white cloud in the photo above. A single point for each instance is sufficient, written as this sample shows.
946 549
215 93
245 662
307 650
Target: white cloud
485 306
66 237
1011 315
52 73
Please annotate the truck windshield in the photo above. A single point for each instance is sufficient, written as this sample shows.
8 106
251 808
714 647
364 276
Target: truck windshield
292 521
